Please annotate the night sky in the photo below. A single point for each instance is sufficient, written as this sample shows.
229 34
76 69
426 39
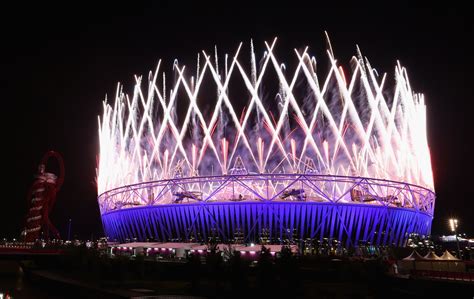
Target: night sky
59 62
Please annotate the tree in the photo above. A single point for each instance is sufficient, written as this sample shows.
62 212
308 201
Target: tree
265 271
238 273
288 269
194 263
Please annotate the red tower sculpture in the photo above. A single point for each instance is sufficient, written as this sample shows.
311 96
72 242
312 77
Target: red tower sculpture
41 198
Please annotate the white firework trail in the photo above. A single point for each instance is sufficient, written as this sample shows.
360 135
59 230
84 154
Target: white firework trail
373 135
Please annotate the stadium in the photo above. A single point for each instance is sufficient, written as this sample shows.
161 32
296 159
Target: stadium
244 147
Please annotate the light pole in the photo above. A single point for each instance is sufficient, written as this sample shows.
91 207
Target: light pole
454 226
69 230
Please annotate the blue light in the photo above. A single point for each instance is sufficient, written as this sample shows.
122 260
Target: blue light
350 223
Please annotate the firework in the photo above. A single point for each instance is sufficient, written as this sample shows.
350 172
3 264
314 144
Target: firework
222 134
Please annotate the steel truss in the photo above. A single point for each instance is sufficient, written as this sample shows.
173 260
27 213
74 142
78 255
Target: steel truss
275 206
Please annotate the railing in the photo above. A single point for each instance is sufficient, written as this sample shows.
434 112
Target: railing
444 275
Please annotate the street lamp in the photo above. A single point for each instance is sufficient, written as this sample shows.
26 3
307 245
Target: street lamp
453 223
69 230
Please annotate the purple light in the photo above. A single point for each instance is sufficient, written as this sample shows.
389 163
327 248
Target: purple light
378 224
